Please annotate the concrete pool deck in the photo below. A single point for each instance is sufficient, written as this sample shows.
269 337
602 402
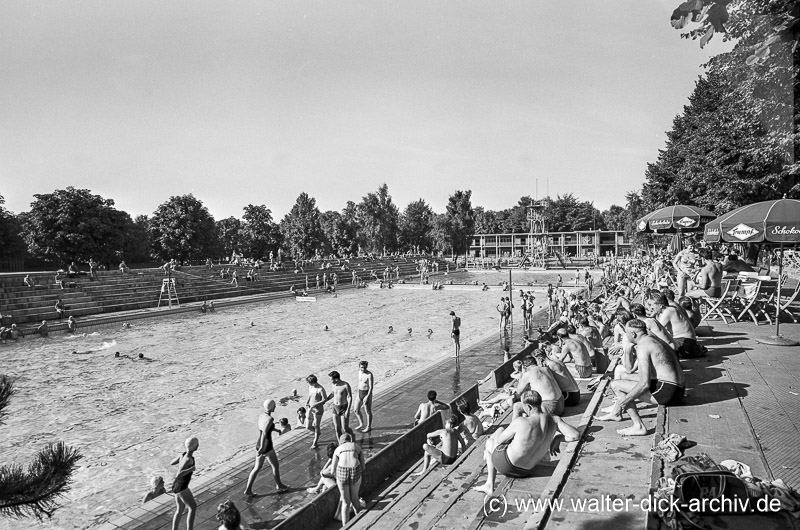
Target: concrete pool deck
394 409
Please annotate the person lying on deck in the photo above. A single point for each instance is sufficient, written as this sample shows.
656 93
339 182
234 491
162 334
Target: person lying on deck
516 450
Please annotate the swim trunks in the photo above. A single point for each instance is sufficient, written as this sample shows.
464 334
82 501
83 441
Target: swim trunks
713 292
666 393
572 398
687 348
456 332
362 394
584 372
348 475
504 466
340 409
554 407
447 460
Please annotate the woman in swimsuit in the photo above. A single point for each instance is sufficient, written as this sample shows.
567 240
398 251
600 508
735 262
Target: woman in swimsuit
180 486
264 449
347 467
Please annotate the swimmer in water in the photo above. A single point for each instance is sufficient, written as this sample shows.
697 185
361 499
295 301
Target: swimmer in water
127 325
430 332
283 426
326 328
409 331
391 329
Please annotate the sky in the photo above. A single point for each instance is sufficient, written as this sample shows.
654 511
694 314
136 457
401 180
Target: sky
255 102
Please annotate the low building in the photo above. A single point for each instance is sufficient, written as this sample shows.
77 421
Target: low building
580 244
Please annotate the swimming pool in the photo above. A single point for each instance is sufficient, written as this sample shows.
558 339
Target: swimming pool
207 375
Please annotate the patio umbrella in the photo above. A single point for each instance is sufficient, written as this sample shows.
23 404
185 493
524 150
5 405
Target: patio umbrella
776 221
674 220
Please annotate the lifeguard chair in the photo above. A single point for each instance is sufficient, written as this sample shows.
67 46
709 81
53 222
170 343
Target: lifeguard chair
168 291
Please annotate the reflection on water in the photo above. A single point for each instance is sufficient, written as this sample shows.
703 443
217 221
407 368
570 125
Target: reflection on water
207 375
457 378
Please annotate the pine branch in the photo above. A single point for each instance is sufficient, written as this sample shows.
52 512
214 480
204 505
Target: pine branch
35 491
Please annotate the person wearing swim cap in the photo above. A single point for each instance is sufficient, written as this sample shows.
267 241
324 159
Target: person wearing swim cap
180 485
265 449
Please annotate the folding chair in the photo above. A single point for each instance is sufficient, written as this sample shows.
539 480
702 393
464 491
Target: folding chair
723 306
784 304
755 303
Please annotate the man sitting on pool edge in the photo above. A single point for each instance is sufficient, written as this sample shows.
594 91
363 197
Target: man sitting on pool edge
515 451
661 380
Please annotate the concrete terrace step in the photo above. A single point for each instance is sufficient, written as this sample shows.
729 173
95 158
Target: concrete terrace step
444 498
38 301
70 306
140 288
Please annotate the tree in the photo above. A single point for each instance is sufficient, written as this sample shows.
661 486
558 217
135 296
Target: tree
485 221
416 223
301 228
229 235
517 220
340 230
440 233
762 67
11 243
35 490
348 228
259 234
567 214
73 224
615 218
718 155
460 221
378 220
636 208
138 247
182 228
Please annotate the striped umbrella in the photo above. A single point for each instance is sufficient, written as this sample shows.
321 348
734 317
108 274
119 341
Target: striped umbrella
775 222
675 219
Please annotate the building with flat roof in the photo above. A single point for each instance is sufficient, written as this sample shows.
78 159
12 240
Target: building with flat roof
584 244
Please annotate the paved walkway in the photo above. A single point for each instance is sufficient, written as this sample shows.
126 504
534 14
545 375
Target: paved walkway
742 403
745 405
300 466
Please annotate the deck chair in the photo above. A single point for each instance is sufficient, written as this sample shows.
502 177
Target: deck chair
755 302
722 307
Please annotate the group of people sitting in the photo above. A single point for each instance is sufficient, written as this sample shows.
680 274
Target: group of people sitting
542 386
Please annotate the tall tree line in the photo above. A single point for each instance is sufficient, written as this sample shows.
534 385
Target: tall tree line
736 141
76 225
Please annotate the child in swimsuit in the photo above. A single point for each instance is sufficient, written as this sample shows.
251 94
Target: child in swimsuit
156 488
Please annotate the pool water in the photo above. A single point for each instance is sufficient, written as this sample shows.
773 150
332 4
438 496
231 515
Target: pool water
207 375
